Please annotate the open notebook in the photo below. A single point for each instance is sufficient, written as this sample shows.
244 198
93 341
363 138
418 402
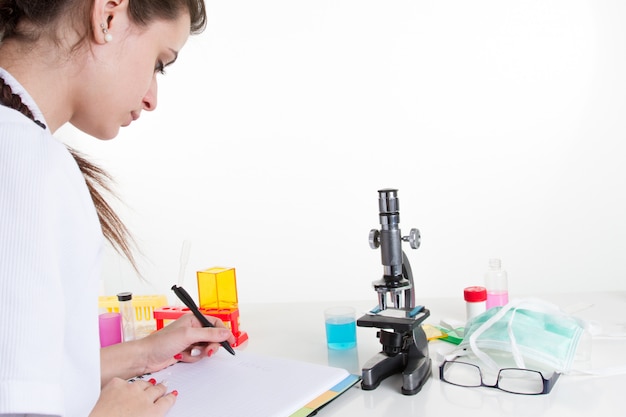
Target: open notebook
252 385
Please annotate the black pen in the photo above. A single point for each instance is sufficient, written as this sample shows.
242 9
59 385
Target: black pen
188 301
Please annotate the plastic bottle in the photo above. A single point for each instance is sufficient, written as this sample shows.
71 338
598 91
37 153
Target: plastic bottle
128 315
496 282
475 301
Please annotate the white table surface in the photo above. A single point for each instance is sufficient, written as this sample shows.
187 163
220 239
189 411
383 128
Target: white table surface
297 331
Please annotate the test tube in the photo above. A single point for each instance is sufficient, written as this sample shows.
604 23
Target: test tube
127 311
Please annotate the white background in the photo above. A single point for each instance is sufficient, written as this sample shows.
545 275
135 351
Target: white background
501 123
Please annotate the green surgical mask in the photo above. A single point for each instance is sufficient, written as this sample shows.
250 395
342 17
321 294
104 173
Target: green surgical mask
531 331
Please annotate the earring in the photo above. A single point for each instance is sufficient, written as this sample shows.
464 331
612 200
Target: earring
107 36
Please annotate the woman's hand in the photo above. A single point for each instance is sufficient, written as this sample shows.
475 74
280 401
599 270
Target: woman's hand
184 340
133 399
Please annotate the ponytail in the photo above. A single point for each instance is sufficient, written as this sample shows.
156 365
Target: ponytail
96 179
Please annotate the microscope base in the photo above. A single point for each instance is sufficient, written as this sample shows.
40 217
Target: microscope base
417 371
415 368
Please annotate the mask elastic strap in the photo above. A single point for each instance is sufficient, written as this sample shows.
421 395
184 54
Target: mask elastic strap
481 329
607 371
517 355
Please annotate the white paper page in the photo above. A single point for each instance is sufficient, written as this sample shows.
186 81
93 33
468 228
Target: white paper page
246 385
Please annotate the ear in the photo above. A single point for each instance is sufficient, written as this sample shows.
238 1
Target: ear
104 13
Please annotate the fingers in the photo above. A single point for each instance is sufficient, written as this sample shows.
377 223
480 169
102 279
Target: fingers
197 352
215 321
167 401
212 334
186 340
134 398
157 391
218 333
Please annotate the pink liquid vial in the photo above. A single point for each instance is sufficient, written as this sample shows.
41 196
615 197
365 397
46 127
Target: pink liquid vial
496 282
495 299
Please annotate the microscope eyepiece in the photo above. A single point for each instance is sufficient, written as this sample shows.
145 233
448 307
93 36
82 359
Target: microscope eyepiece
388 201
389 238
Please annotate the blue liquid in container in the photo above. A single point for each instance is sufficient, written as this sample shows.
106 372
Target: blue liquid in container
341 335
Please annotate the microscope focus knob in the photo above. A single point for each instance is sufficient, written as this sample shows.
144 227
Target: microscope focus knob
374 239
413 238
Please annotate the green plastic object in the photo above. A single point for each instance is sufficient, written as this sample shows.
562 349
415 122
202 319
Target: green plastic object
452 336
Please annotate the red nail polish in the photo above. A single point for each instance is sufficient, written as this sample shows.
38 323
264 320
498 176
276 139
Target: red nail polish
175 393
210 353
178 356
152 381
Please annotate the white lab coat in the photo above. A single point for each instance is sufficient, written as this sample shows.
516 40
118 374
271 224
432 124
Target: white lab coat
50 255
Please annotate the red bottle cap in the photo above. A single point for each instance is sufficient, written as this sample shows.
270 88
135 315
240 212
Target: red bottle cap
475 294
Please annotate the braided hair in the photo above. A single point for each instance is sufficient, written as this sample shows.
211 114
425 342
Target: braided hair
96 179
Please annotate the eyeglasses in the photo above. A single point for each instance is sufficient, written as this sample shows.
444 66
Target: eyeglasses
513 380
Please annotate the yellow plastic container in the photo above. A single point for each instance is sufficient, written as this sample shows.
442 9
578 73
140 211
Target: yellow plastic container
217 288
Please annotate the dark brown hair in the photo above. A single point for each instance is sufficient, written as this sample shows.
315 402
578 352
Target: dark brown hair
42 16
27 20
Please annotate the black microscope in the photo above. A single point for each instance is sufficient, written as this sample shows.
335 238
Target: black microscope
405 347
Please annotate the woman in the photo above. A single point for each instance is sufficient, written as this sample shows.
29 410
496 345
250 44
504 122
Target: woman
92 63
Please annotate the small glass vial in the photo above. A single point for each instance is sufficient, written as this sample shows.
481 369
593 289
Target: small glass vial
475 301
128 315
496 282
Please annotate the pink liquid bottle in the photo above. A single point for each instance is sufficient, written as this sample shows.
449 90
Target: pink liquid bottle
496 283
